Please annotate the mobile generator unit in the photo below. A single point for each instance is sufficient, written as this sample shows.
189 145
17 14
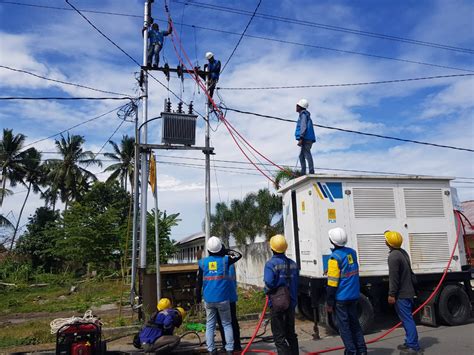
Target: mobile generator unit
419 207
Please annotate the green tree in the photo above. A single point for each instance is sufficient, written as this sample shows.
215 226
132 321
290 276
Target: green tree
11 160
221 222
269 208
283 176
91 230
33 177
69 175
36 243
165 223
122 170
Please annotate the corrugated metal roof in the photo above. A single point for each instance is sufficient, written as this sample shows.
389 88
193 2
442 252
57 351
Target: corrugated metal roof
191 238
468 211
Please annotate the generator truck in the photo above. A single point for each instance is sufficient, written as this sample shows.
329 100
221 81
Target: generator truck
419 207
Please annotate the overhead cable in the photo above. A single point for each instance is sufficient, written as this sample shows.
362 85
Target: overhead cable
355 132
72 127
56 98
61 81
347 84
327 27
241 36
267 39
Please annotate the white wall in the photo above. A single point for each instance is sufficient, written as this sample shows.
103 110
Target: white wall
249 269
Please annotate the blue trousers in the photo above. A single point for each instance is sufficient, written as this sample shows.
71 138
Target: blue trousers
404 307
223 309
305 154
349 327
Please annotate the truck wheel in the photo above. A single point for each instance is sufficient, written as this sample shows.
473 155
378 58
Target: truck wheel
366 313
305 307
454 306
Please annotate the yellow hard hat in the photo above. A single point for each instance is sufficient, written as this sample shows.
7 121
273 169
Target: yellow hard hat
181 311
164 303
394 239
278 243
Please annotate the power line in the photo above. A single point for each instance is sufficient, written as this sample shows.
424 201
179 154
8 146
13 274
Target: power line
355 132
61 81
328 27
56 98
256 37
347 84
72 127
242 36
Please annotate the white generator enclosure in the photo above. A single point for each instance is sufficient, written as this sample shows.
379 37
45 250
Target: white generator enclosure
420 208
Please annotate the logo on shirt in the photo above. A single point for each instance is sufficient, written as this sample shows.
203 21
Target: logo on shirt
212 265
349 258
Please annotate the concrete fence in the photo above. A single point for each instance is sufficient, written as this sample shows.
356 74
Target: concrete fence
249 269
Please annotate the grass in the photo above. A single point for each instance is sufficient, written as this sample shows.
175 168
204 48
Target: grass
56 298
250 301
28 333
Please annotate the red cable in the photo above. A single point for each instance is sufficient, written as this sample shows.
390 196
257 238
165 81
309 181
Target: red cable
418 309
262 317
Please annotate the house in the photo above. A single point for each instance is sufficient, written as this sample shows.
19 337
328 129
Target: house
188 248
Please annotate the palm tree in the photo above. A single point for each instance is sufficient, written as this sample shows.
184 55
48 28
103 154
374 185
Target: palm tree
33 177
69 176
283 176
11 160
221 222
124 156
269 207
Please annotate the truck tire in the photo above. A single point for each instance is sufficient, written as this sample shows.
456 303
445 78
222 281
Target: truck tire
454 306
366 315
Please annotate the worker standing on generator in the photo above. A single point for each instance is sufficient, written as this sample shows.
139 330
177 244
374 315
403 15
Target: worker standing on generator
305 136
233 307
281 285
401 290
213 278
156 39
157 335
214 67
343 292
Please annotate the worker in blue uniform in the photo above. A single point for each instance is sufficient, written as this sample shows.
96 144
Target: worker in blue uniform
157 335
213 278
156 39
281 284
233 308
214 67
304 134
343 292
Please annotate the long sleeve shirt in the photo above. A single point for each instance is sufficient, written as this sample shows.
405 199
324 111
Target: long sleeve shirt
399 274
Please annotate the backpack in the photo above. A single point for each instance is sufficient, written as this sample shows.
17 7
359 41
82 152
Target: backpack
281 298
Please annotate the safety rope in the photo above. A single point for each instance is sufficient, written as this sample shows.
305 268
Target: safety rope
433 294
60 322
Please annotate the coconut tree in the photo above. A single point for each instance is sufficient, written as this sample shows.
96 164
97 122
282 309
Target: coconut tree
32 179
269 208
221 222
69 175
11 160
124 157
283 176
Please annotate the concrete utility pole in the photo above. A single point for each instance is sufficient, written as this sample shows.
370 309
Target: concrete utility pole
144 139
208 174
136 207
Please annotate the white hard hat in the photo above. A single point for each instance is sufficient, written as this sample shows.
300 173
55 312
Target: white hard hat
214 245
303 103
209 55
338 236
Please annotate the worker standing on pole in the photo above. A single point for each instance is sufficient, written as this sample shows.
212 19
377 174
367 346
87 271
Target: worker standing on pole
402 290
214 67
213 278
343 292
156 39
281 285
305 136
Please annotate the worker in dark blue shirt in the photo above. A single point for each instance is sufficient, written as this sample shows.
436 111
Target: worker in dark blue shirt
156 39
157 335
304 134
282 272
343 292
214 67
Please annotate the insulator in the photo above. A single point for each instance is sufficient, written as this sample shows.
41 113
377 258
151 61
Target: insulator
190 108
180 107
167 105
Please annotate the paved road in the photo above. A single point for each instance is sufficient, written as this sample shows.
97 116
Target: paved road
441 340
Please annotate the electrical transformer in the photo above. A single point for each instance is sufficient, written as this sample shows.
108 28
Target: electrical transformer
178 128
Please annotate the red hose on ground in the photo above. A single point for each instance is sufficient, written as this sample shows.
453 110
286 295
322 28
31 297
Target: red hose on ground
371 341
262 317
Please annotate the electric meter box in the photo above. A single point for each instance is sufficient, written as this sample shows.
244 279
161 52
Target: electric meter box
419 207
178 128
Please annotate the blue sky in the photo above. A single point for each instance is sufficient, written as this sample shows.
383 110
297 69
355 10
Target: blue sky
61 45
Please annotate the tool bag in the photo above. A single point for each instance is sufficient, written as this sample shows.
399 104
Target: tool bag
281 298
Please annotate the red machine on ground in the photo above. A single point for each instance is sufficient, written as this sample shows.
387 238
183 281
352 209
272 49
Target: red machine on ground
80 339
